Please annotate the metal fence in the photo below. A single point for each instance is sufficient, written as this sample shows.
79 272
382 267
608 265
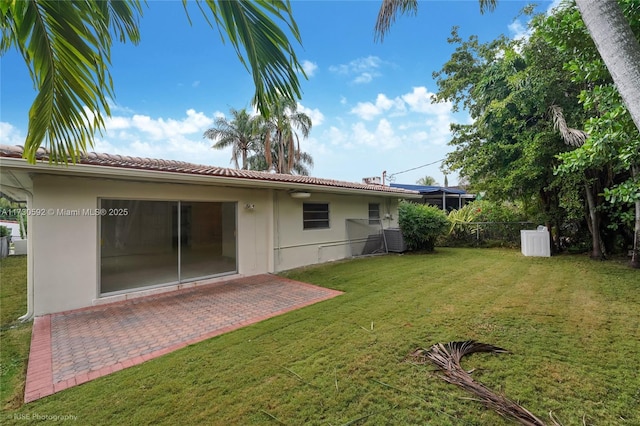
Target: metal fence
365 237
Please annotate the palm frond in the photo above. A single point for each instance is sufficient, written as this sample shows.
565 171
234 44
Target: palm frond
261 45
67 49
389 9
572 137
487 5
447 359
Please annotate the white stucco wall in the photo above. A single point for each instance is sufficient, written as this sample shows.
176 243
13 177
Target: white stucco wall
295 246
65 247
270 235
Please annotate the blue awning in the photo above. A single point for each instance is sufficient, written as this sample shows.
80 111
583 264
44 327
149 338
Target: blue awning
425 189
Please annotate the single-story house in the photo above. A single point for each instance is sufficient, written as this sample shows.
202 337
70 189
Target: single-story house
445 197
114 227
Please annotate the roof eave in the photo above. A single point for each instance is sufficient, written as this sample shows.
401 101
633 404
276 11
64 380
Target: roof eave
145 175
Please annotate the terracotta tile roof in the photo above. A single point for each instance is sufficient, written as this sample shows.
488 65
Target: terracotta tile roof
182 167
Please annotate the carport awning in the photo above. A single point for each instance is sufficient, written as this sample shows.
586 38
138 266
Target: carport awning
424 189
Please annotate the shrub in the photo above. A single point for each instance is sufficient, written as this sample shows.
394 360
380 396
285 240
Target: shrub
421 225
488 211
4 231
459 221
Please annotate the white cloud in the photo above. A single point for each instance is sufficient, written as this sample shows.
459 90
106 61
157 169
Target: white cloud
160 128
369 110
365 77
519 30
335 136
316 116
391 133
554 4
117 108
166 138
309 68
420 101
363 70
366 110
10 135
195 83
116 123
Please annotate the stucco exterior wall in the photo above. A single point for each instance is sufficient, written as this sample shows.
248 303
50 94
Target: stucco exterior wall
295 246
270 235
65 244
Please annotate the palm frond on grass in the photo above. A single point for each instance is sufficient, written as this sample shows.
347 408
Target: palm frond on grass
447 359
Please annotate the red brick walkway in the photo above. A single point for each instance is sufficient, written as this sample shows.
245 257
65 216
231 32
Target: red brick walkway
71 348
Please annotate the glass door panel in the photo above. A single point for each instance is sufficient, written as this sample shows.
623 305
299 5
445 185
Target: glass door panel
207 243
137 246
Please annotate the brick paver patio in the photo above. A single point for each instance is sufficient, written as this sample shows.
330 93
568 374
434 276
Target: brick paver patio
71 348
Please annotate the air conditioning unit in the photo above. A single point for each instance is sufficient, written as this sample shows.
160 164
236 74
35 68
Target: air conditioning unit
375 180
395 240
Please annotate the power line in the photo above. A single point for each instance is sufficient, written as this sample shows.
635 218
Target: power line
415 168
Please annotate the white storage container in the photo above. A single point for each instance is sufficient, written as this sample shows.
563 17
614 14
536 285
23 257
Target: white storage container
536 243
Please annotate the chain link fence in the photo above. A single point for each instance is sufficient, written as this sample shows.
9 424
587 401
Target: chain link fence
487 234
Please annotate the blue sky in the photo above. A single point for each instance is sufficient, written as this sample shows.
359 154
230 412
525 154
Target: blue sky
369 101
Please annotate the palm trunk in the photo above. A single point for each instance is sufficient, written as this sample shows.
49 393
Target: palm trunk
618 48
635 254
280 152
594 225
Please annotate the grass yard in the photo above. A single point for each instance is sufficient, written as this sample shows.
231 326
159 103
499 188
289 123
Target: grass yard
572 325
14 336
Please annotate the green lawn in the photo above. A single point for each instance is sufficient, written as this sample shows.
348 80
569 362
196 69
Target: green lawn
14 337
572 325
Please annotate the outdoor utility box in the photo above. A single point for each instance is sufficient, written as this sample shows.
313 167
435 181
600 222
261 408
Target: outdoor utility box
395 241
536 243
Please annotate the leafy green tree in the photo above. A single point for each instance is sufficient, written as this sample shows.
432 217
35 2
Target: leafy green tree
421 225
510 148
609 24
608 27
241 133
67 49
613 143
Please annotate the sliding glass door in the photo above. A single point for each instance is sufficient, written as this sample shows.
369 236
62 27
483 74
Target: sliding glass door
153 243
208 242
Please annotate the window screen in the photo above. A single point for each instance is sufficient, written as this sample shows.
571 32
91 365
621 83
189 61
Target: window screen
374 213
315 215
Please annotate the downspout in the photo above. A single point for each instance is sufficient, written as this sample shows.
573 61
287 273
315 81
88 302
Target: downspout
30 268
276 230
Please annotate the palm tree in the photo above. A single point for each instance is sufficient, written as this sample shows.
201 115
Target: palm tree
427 181
608 27
281 127
242 134
67 48
618 47
302 164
